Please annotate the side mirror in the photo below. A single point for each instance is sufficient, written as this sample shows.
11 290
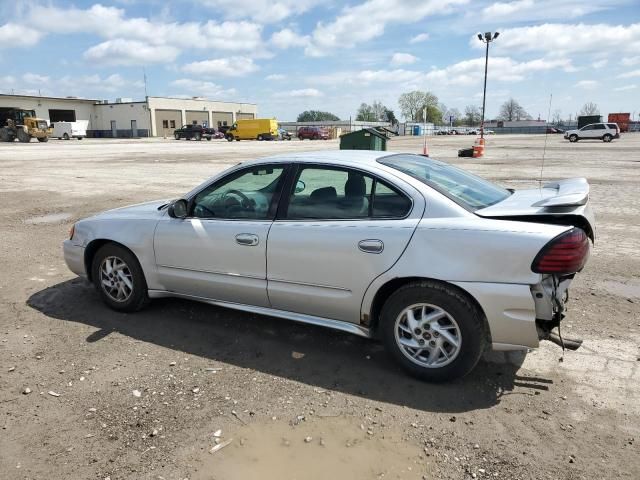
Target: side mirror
300 186
178 209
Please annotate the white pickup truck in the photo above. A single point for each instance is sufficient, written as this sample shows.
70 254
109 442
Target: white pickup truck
67 130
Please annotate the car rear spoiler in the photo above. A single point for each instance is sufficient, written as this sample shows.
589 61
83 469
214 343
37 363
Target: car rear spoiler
572 192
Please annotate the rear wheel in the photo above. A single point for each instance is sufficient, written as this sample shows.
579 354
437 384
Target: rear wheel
5 135
300 137
607 138
573 138
229 138
23 136
65 136
198 137
119 279
433 331
260 138
43 139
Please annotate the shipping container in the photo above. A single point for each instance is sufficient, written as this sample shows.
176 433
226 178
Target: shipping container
622 119
588 120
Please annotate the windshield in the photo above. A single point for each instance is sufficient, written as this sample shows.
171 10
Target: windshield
462 187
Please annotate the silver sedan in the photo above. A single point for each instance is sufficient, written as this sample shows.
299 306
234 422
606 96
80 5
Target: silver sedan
435 262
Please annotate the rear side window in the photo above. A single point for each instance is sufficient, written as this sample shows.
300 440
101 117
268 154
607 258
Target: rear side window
387 202
612 126
599 126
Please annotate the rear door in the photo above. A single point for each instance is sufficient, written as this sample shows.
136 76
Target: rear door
339 230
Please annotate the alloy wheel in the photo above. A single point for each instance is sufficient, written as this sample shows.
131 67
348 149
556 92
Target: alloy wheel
428 335
116 279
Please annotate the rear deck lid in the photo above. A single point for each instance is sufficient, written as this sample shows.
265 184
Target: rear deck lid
557 202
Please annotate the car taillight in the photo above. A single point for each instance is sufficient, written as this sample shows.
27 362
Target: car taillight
565 254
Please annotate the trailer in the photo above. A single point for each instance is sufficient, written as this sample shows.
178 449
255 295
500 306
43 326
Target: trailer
622 119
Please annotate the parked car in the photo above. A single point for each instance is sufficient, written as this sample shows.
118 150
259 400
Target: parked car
283 134
68 130
313 133
437 263
255 129
193 132
601 131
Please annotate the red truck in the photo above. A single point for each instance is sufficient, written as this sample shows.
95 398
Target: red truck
622 119
313 133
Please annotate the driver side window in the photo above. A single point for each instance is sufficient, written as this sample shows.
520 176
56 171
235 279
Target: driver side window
246 194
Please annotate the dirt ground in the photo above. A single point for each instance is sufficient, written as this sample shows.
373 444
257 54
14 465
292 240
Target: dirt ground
143 396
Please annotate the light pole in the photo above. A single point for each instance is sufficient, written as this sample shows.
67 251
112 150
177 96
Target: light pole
487 38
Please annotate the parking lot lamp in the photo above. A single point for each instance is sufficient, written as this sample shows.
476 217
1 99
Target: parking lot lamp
487 38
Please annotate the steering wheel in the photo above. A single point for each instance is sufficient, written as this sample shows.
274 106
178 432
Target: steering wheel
245 201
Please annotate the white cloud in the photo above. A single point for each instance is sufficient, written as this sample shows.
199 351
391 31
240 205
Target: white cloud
408 78
625 88
503 69
532 10
600 63
287 38
587 84
95 82
563 39
130 52
403 59
630 61
35 78
202 88
421 37
274 77
262 11
304 92
363 22
18 36
228 67
633 73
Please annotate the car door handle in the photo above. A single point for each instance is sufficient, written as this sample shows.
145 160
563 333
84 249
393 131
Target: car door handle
371 246
248 239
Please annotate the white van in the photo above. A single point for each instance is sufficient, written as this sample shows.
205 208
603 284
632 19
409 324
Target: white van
67 130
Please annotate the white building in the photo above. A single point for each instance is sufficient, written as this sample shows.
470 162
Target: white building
158 116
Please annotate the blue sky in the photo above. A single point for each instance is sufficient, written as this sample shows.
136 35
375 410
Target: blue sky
291 55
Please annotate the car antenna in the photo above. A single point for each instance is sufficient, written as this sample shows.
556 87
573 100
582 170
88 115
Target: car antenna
546 134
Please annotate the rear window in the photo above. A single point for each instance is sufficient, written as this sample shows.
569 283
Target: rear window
612 126
462 187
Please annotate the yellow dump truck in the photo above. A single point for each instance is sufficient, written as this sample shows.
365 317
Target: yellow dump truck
256 129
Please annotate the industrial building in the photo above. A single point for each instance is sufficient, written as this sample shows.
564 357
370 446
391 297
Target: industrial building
124 118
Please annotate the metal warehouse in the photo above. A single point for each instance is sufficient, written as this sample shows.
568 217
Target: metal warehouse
125 118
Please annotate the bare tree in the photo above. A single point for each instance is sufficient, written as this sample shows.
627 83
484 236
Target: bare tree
472 115
556 119
590 108
413 103
511 110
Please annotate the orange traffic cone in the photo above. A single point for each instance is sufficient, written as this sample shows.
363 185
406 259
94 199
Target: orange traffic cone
478 148
425 149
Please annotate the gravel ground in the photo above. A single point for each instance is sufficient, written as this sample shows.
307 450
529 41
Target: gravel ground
88 393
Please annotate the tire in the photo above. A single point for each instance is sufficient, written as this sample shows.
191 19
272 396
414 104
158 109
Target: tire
176 136
300 137
209 138
197 137
607 138
23 137
5 135
43 139
137 296
65 136
459 319
260 138
229 138
573 138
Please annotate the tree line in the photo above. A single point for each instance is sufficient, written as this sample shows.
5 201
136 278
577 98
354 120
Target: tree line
418 106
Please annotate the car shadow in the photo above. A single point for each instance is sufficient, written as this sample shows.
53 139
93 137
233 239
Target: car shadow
312 355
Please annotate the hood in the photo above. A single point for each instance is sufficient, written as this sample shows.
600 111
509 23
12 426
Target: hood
563 202
141 210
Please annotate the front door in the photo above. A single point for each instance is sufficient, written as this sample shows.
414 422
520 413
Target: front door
219 251
134 128
114 130
341 229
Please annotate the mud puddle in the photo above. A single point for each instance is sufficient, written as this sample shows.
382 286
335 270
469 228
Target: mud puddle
50 218
315 449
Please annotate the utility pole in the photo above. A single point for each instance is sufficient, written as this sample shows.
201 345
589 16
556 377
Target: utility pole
487 39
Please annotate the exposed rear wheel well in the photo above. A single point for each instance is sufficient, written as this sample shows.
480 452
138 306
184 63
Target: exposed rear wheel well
90 252
394 284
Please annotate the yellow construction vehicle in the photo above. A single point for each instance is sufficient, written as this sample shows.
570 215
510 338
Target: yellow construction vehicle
23 125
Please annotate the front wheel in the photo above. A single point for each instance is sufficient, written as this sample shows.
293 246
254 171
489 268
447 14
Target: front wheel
176 136
119 279
433 331
229 138
43 139
23 136
607 138
573 138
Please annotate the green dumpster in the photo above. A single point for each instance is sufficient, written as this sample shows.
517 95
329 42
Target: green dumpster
365 139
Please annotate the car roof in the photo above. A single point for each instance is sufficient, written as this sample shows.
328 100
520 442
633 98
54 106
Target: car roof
336 157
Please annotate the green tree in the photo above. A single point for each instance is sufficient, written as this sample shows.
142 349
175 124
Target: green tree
390 117
412 105
317 116
365 113
472 115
